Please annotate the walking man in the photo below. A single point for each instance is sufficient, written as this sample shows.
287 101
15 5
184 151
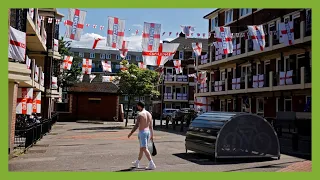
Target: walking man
144 123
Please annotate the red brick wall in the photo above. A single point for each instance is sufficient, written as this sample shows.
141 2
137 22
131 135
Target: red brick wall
13 114
105 109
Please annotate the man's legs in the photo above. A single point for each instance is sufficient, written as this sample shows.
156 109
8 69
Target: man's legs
140 154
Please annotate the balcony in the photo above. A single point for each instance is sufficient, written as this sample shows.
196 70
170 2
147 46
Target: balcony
176 79
175 97
245 47
289 80
35 34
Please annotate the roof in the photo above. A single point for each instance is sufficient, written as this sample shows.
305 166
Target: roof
99 87
185 44
205 17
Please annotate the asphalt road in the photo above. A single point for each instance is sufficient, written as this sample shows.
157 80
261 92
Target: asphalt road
105 147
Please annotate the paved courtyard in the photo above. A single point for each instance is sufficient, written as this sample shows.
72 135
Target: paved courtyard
105 147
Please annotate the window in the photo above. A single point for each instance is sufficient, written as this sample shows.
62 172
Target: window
92 55
128 57
246 104
108 56
280 65
246 70
169 71
214 23
117 66
287 104
81 54
142 98
222 105
181 53
102 56
168 89
138 58
245 11
126 98
222 75
118 57
93 65
228 16
260 106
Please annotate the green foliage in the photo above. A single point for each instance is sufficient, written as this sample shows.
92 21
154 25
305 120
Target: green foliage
67 78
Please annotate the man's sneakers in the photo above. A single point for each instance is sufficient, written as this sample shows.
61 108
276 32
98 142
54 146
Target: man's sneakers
136 164
151 166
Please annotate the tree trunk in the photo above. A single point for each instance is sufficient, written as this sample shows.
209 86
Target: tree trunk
127 113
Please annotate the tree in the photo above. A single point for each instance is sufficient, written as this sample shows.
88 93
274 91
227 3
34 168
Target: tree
137 82
67 78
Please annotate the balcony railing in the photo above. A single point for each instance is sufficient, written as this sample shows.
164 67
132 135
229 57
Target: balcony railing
175 96
218 86
258 81
182 96
168 96
287 78
237 83
175 78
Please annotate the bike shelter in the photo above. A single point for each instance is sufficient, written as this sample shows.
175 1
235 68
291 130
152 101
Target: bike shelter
232 135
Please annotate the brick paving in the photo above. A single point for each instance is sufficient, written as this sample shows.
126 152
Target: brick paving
305 166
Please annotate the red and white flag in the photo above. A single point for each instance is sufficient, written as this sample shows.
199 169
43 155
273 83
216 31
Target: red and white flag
151 36
201 103
137 32
224 39
164 53
286 33
177 66
50 20
106 66
31 12
42 79
123 67
170 33
91 77
54 82
187 30
202 77
44 37
65 22
258 37
101 27
107 78
67 62
87 25
95 42
24 101
75 24
115 33
80 77
36 73
94 26
86 66
141 65
56 45
28 62
36 102
58 21
17 45
197 48
124 49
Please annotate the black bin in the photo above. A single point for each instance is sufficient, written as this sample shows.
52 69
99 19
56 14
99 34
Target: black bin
232 135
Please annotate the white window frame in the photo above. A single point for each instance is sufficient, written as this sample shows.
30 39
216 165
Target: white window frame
247 66
92 55
226 17
142 99
284 103
223 72
215 24
248 11
249 104
181 55
118 57
267 62
102 56
108 56
257 106
128 57
126 98
81 54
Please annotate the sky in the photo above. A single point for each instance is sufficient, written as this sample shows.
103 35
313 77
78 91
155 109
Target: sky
170 20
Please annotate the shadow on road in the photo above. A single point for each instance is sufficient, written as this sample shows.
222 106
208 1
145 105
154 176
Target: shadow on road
202 159
171 130
132 169
102 128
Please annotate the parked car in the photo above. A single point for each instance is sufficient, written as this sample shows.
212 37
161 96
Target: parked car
186 113
167 113
130 113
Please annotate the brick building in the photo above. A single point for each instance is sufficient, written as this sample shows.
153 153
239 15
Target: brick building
39 35
283 73
179 88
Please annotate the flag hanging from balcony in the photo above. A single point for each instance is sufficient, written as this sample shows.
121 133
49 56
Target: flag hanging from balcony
141 65
39 24
224 39
56 45
286 33
80 77
42 79
151 36
17 45
124 49
258 37
187 30
197 48
177 66
158 58
75 24
54 82
67 62
201 104
36 103
86 66
36 73
31 13
107 78
24 101
106 66
95 42
91 77
202 77
115 33
28 62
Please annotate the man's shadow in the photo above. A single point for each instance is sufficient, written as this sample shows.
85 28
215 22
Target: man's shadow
132 169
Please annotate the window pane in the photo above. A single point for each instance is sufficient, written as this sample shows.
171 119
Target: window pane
288 105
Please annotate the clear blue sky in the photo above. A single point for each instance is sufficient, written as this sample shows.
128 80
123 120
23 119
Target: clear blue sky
170 19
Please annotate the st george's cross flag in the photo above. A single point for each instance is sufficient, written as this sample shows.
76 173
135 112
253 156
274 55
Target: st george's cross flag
158 58
177 66
56 45
108 78
115 33
86 66
197 48
106 66
141 65
75 24
151 36
224 39
91 77
257 35
67 62
124 49
36 102
17 45
24 101
286 33
54 82
95 43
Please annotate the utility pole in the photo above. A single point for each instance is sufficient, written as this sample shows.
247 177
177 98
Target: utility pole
162 99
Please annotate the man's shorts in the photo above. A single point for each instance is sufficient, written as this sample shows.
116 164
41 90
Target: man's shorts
144 137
